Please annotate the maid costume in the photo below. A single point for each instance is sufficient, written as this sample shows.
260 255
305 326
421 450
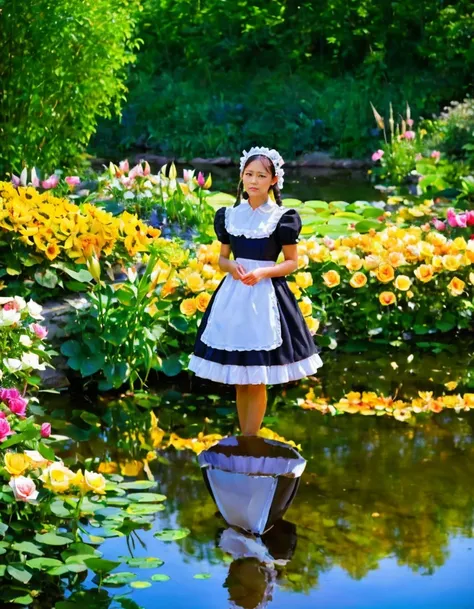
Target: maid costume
255 334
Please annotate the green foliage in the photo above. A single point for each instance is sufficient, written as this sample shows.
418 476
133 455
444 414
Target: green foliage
62 66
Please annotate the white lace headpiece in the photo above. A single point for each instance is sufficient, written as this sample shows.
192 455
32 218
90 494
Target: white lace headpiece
274 156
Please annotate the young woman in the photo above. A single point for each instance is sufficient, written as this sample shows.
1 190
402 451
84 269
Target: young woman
253 333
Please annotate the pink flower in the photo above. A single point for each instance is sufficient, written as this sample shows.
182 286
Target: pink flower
40 331
146 169
124 166
200 179
410 122
73 180
12 305
451 217
15 180
378 155
136 171
5 429
187 173
435 155
470 217
51 182
438 224
24 489
18 406
409 135
45 430
425 227
9 394
329 243
418 156
2 415
34 178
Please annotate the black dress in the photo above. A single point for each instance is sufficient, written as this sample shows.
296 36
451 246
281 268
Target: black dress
255 334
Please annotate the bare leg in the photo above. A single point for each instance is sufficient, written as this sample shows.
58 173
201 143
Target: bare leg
256 407
242 405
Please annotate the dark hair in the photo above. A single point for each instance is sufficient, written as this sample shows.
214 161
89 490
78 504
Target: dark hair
271 168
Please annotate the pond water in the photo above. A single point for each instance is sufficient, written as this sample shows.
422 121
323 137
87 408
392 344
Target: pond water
384 515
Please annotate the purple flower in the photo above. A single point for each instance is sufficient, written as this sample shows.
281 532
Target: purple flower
15 180
9 394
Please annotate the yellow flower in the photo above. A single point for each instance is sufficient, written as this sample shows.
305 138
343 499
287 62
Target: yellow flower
402 283
202 300
295 289
306 306
94 482
188 306
387 298
57 477
78 482
303 280
471 278
331 278
456 286
108 467
195 282
452 263
385 273
358 280
131 468
16 464
354 262
424 272
52 250
410 294
396 259
313 324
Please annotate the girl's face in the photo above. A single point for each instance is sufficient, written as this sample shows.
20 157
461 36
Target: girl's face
257 179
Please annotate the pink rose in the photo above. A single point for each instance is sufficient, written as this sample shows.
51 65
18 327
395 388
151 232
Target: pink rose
11 306
45 430
136 171
73 180
470 218
378 155
5 429
409 135
9 394
23 488
40 331
451 217
438 224
18 406
2 415
200 179
435 155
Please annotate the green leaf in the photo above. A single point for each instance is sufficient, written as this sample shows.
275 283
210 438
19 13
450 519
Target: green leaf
172 534
144 508
59 509
47 278
46 452
27 547
137 485
179 323
71 348
171 365
83 276
160 577
19 572
146 497
92 364
202 576
51 539
121 578
365 225
101 565
43 563
140 584
18 438
144 562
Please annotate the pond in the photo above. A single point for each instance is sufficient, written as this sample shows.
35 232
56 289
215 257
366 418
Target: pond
384 515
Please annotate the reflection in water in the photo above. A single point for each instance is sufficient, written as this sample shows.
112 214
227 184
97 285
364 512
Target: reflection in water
252 480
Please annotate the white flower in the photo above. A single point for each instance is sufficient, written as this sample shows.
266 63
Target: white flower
34 309
129 195
23 488
31 360
21 302
10 317
12 364
25 340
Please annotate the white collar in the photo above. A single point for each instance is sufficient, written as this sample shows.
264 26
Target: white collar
256 223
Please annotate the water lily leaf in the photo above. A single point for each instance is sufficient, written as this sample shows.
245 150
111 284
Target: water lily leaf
315 204
101 565
19 572
140 584
144 508
202 576
146 497
27 547
122 578
172 534
43 563
160 577
58 508
365 225
138 485
118 501
144 562
51 539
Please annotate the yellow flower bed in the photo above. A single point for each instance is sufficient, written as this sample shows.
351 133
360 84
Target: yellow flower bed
57 229
369 403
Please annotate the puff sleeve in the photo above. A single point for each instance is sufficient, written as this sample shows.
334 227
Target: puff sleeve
219 226
289 227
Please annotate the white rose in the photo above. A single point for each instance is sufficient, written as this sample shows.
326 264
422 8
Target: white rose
23 488
25 340
34 309
12 364
10 317
21 302
31 360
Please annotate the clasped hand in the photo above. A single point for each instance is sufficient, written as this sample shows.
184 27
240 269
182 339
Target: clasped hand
251 278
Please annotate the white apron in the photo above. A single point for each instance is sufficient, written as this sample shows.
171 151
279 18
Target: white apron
244 317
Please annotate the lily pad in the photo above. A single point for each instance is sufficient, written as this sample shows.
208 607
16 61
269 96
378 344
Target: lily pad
146 497
119 579
202 576
172 534
138 485
140 584
143 562
160 577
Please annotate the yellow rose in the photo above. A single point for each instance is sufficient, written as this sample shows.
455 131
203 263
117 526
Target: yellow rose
396 259
131 468
202 300
94 482
410 294
331 279
371 261
385 273
424 272
358 280
188 307
456 286
16 464
402 283
303 261
451 263
354 262
208 271
195 282
460 243
295 289
306 306
471 278
387 298
108 467
57 477
78 482
303 280
313 324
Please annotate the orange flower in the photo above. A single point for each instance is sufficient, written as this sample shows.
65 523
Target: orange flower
52 250
456 286
188 307
387 298
424 272
385 273
358 280
202 300
402 283
331 279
